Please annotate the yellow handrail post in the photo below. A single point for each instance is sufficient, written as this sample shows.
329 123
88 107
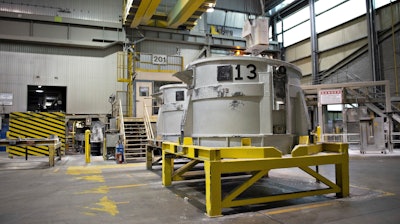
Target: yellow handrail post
87 146
51 155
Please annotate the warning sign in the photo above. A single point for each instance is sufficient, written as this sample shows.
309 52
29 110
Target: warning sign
330 96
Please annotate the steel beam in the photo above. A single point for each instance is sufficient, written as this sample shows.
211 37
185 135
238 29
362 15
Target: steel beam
182 11
141 11
151 9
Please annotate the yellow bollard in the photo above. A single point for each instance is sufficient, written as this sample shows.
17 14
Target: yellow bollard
87 146
318 133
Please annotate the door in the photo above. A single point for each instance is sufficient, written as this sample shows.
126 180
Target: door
143 92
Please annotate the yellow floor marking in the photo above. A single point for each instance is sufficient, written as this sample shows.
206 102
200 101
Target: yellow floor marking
83 170
384 193
56 170
119 166
122 202
127 186
106 189
96 169
98 190
106 205
94 178
299 208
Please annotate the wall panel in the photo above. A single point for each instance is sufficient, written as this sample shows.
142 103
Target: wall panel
90 80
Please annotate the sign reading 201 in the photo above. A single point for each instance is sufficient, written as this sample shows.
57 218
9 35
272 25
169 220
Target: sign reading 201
159 59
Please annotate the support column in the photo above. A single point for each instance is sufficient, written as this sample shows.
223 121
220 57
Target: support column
373 43
213 188
342 174
167 169
314 45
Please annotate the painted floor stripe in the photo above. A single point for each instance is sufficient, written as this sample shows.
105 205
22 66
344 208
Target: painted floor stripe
384 193
305 207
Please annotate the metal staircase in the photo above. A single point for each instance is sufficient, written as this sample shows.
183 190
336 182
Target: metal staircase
135 139
373 95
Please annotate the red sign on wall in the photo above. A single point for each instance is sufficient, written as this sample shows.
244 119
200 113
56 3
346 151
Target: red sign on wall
330 96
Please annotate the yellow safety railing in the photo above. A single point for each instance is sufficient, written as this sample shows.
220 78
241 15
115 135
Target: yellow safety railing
147 124
170 63
122 127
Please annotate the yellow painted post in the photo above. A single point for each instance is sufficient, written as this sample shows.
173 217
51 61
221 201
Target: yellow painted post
149 157
105 149
7 147
213 188
246 141
342 173
87 146
51 155
318 133
167 169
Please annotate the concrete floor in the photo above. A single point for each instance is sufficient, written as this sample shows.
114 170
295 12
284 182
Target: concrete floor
105 192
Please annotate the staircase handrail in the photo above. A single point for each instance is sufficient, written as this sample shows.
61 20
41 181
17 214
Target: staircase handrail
147 124
121 124
378 91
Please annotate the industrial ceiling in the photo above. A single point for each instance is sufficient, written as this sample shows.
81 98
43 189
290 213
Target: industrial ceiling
182 14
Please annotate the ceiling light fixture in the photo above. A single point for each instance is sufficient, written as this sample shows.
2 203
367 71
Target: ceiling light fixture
210 7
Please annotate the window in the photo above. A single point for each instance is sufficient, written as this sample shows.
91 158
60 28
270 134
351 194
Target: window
143 91
330 13
179 95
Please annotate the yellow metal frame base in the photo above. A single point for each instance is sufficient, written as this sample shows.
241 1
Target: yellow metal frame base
258 161
52 143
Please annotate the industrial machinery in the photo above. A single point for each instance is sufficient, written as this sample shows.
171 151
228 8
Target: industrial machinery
230 98
174 101
77 127
240 115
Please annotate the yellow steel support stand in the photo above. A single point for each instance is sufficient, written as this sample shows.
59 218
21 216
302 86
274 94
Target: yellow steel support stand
342 177
213 188
167 169
257 161
87 146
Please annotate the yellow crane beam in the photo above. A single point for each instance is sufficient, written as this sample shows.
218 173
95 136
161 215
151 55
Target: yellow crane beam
151 9
145 11
182 11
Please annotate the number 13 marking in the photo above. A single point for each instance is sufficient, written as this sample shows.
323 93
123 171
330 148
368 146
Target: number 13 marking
252 71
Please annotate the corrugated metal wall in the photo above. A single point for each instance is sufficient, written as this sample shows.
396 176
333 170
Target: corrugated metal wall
96 10
188 51
88 74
